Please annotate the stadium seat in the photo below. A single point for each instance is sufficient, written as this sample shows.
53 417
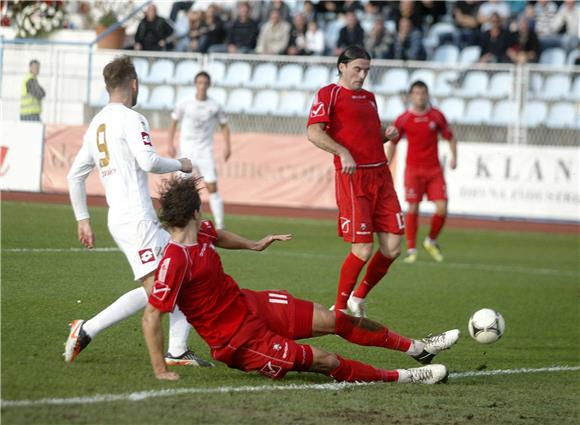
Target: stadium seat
217 71
425 75
393 108
557 86
290 76
500 85
478 111
185 93
563 115
436 30
446 54
218 94
453 108
292 103
475 84
265 102
264 76
99 98
553 56
536 84
162 97
239 101
161 72
504 113
238 74
143 95
316 76
141 67
572 57
185 72
445 83
535 113
331 33
469 55
394 80
575 92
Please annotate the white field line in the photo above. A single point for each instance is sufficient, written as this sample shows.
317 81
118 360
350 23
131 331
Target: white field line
466 266
337 386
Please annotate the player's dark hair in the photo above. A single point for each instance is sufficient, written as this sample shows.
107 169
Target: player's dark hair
179 201
33 62
119 72
420 84
352 53
202 74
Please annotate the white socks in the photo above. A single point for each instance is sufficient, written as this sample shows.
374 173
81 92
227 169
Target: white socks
216 204
179 329
126 305
416 348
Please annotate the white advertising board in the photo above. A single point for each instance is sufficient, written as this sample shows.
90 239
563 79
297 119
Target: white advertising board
502 181
21 149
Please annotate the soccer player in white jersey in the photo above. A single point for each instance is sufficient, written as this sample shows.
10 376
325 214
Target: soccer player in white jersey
199 117
118 144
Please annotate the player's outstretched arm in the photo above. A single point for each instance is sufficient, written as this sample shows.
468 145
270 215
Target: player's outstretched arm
229 240
153 333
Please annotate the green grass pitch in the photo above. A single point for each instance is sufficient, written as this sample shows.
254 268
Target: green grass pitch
532 279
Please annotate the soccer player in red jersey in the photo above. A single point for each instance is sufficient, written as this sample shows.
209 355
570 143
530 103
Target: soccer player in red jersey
345 122
423 173
257 331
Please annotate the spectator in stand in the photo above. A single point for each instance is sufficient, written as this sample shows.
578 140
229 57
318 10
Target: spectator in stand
569 15
274 35
243 33
297 44
309 11
153 32
431 10
196 29
215 33
352 6
487 9
467 26
352 34
314 39
545 12
178 6
281 7
378 41
525 46
494 42
408 44
408 10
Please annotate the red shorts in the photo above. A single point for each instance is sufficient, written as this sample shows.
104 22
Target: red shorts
265 341
367 204
420 181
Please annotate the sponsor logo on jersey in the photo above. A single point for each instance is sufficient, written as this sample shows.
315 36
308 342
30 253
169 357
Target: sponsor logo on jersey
285 353
146 255
344 224
364 96
271 370
432 125
276 347
146 139
317 110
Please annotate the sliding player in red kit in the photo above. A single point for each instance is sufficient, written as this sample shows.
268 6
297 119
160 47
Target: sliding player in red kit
256 331
344 121
421 124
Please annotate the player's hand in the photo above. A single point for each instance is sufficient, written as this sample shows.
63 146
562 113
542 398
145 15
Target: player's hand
85 233
265 242
167 376
227 153
453 163
348 164
391 132
186 165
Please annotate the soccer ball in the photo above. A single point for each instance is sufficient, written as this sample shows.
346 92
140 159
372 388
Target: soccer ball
486 326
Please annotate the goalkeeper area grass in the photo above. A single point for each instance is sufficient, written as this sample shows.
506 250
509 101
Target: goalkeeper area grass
529 376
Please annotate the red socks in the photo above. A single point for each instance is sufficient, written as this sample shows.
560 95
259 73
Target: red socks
353 371
377 269
366 332
348 276
437 222
411 225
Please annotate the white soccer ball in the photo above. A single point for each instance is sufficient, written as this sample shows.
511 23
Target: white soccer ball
486 326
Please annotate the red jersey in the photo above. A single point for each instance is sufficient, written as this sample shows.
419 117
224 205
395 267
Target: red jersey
422 135
351 119
192 277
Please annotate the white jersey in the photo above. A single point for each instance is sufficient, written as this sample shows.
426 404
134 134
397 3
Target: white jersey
118 143
198 121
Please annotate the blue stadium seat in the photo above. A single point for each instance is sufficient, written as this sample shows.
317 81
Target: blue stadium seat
475 84
185 93
265 102
185 72
436 30
218 94
162 97
453 108
292 103
500 85
425 75
394 80
264 76
478 111
536 84
445 83
535 113
238 74
143 95
553 56
99 98
469 55
563 115
446 54
141 67
217 71
290 76
161 72
316 76
392 108
575 92
239 101
504 113
557 86
572 57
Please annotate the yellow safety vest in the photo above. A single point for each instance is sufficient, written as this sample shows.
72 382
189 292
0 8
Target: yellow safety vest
29 104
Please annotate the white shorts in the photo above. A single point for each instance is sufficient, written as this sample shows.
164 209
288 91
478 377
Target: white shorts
203 166
142 242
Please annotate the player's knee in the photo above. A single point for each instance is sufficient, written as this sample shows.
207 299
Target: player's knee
324 362
363 251
324 321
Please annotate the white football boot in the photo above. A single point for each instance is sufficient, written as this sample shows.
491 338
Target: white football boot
431 374
433 345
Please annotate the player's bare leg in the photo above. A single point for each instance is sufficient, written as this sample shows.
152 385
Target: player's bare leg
351 267
411 228
437 221
216 204
389 250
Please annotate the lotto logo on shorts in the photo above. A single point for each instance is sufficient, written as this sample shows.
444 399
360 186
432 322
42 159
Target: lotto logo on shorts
146 255
271 370
344 224
146 138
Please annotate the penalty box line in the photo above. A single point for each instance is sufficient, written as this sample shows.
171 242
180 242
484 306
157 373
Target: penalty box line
335 386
